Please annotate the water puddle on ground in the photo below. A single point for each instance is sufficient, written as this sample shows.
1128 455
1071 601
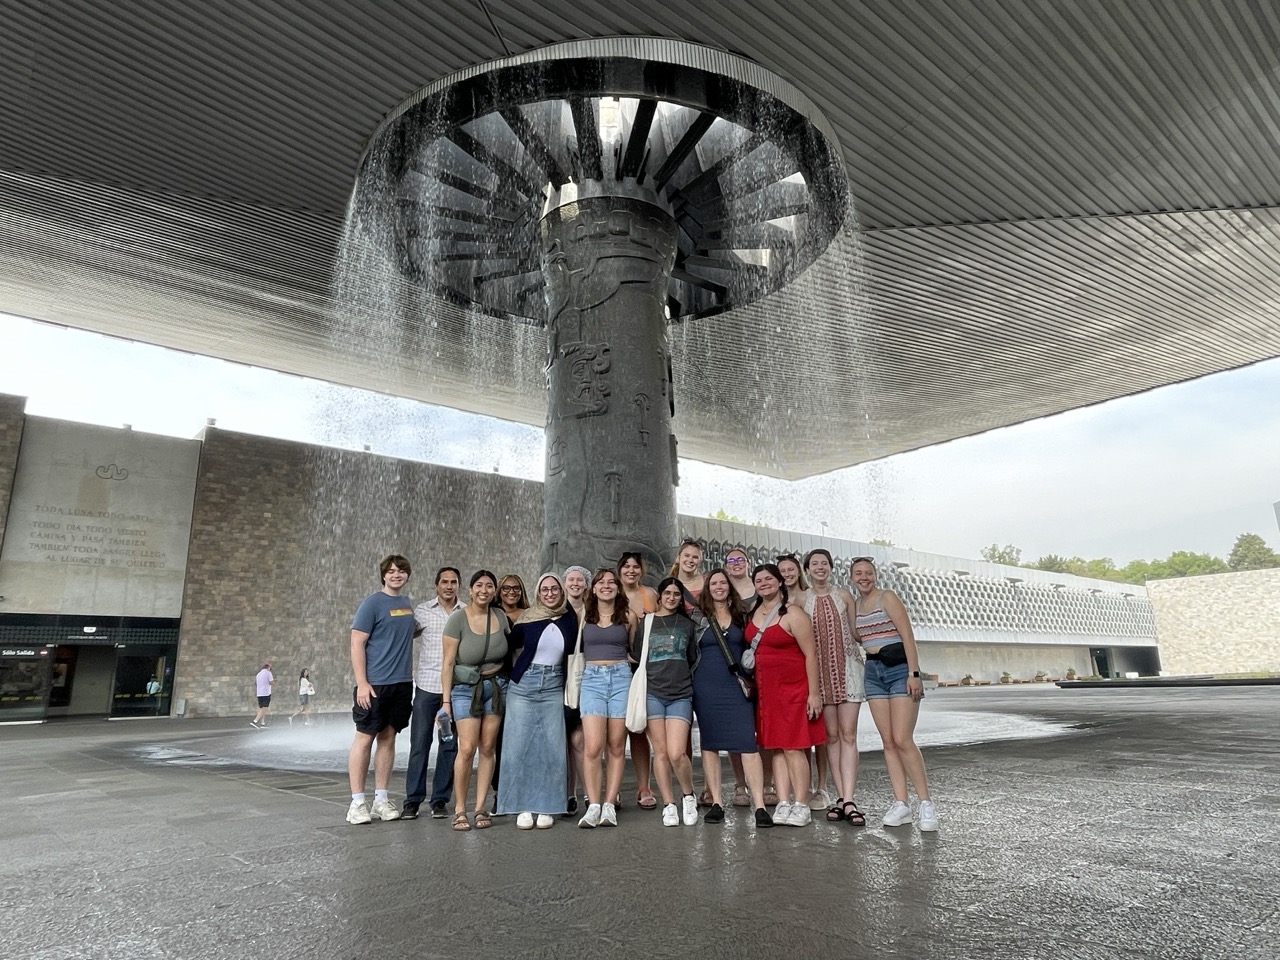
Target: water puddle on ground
324 746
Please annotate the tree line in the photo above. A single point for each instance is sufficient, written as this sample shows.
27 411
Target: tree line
1250 552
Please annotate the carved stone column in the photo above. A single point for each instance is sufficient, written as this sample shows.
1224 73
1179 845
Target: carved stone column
611 456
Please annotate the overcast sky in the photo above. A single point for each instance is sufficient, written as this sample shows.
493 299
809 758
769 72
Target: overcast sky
1186 467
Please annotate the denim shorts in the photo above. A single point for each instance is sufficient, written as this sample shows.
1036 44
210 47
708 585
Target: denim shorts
460 698
885 682
660 709
604 690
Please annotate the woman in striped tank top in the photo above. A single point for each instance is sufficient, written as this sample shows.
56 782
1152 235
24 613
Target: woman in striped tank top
894 689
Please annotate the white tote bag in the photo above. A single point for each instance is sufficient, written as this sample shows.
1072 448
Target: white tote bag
573 672
638 692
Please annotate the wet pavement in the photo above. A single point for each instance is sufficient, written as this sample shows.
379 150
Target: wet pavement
1135 823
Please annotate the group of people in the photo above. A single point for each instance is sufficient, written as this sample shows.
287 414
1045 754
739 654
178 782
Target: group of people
533 696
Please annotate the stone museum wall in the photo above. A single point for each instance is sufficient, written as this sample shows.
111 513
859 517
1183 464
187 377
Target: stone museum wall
1221 623
11 421
286 540
98 522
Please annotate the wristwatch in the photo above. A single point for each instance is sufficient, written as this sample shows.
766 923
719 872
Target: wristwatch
916 674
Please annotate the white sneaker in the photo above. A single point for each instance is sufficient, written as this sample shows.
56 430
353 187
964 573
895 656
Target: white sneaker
591 818
799 816
897 814
385 810
608 815
358 812
545 821
524 821
689 810
928 816
819 800
781 812
670 816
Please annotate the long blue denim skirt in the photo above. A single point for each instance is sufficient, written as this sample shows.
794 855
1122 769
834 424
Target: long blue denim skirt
534 774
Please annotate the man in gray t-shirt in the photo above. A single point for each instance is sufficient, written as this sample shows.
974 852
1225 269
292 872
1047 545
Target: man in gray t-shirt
382 635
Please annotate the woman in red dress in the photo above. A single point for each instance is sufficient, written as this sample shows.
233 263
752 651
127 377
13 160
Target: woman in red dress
789 704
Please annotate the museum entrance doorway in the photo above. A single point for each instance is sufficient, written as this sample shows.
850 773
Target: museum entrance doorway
59 666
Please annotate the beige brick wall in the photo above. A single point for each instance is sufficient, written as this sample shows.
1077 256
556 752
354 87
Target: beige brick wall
1223 623
286 540
11 421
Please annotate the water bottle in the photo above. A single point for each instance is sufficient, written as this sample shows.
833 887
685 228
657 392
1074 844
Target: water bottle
444 724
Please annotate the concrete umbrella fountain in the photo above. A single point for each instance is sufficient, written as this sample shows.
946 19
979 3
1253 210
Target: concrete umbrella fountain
605 189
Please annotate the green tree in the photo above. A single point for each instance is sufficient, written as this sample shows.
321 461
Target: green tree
727 517
1051 562
1252 553
1008 554
1184 563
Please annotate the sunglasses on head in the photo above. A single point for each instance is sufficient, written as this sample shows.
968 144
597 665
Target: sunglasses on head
870 560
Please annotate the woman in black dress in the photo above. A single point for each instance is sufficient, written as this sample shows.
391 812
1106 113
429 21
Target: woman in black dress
726 718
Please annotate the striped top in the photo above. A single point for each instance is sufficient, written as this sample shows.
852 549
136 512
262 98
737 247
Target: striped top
875 629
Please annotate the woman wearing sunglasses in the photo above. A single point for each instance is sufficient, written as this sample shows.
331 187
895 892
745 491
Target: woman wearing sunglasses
735 564
512 596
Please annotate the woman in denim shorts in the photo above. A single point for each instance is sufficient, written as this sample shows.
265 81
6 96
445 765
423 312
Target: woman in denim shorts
475 653
673 655
607 629
894 689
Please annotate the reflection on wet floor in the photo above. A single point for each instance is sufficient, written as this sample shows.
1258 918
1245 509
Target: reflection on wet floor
324 746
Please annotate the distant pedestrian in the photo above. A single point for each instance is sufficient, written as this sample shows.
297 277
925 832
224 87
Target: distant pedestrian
305 692
382 635
263 682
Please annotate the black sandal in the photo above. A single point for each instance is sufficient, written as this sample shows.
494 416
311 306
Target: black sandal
851 813
835 812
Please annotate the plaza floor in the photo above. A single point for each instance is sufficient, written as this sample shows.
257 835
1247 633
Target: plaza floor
1130 823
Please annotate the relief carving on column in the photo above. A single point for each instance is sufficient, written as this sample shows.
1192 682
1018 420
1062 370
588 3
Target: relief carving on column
555 456
588 364
641 401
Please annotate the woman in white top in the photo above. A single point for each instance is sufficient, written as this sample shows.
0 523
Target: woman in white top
305 692
575 582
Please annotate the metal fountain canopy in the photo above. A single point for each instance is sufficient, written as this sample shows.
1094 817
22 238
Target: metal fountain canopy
744 163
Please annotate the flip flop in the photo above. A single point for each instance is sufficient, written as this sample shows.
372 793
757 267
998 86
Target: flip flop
645 800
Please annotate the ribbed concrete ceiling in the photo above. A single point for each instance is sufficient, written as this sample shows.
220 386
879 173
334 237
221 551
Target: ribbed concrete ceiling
1059 203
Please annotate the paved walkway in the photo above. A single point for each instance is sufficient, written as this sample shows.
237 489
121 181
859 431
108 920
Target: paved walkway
1151 829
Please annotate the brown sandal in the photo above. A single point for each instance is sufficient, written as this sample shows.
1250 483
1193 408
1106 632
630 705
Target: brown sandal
460 821
645 800
484 820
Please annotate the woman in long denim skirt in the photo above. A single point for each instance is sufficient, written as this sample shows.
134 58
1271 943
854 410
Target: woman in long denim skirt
534 760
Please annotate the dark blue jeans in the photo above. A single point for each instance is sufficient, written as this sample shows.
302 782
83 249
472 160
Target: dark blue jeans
421 729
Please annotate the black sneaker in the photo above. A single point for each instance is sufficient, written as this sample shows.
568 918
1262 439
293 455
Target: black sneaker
437 810
409 811
715 814
762 818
